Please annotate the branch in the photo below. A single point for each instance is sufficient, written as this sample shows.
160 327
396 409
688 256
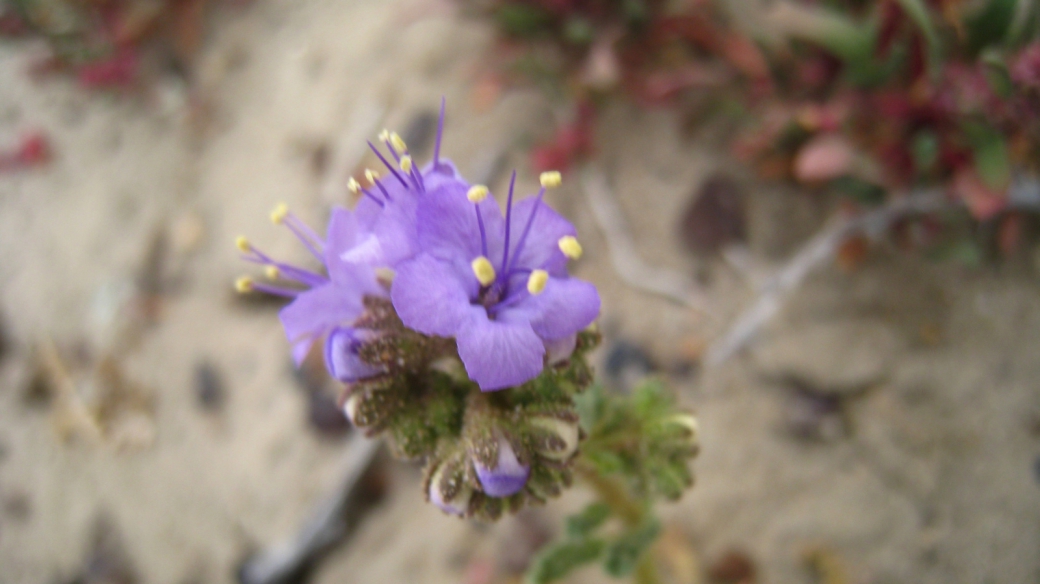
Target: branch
1023 195
631 268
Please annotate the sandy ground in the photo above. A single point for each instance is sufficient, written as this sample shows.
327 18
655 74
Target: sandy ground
926 474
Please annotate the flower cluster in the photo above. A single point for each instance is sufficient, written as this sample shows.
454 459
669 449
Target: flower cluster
427 272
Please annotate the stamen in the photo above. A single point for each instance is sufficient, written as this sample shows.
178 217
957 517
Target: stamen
305 277
406 164
278 213
384 136
353 185
527 228
570 247
550 179
537 281
244 285
306 235
243 244
272 272
509 214
483 270
387 164
371 175
477 193
440 134
397 142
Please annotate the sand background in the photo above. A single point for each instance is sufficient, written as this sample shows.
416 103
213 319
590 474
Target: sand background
932 479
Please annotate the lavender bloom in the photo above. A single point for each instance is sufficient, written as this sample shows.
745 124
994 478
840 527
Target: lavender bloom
324 305
507 476
498 285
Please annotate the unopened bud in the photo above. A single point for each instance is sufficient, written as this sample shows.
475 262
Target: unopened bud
558 439
449 490
507 476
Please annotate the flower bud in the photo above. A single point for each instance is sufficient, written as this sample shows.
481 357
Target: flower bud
559 350
507 476
556 439
341 354
449 490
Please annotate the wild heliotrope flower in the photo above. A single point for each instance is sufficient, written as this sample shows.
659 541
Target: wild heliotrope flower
498 285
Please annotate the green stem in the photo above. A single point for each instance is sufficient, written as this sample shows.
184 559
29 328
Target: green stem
629 510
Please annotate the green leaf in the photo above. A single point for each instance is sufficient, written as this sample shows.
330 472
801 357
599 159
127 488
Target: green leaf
997 75
918 11
522 20
555 562
990 25
589 519
623 554
991 156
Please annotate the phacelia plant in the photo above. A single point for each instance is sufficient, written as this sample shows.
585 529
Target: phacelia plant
462 340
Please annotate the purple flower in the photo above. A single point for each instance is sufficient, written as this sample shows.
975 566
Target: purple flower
498 285
322 305
507 476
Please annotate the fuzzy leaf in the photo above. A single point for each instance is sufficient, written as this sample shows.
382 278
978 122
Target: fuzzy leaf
918 11
588 520
555 562
623 554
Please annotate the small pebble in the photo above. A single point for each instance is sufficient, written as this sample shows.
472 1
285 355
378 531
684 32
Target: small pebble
715 218
733 567
626 364
209 388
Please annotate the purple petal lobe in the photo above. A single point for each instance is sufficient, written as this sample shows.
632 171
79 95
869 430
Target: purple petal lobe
507 477
498 354
449 229
316 311
430 298
565 307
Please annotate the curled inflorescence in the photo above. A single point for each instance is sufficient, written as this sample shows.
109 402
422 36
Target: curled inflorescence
456 327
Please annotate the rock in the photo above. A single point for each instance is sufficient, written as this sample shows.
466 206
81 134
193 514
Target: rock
840 357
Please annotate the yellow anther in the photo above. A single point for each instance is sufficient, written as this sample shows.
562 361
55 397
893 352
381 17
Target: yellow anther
278 213
550 179
272 272
537 281
244 284
570 247
242 244
353 185
483 270
406 163
477 193
371 175
397 142
384 136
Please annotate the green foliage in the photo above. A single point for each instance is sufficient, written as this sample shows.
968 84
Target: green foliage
638 448
624 553
991 155
583 523
557 561
990 25
641 437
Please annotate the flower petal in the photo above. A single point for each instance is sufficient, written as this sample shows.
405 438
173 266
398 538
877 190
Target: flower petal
316 311
449 228
498 354
430 296
565 306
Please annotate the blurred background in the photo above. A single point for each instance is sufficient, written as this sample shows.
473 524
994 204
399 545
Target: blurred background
816 221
